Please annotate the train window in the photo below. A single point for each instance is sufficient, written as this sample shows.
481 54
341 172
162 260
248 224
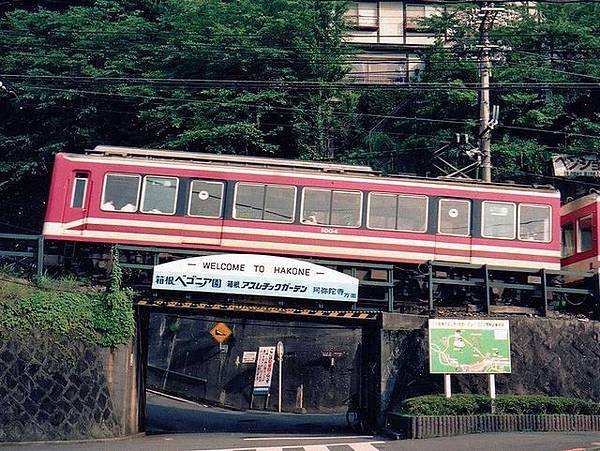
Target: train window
454 217
534 222
383 211
316 206
584 234
121 192
79 189
264 202
498 220
159 195
331 207
567 240
397 212
345 208
206 199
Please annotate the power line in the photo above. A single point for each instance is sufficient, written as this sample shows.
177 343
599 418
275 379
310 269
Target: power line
314 111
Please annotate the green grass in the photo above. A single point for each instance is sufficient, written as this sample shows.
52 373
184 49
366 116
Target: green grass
65 307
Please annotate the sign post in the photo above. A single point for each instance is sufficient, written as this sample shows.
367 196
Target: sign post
280 358
469 347
447 386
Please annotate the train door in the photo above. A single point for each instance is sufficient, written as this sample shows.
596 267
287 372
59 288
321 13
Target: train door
78 200
453 230
204 210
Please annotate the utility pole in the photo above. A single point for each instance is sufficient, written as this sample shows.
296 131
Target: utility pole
487 15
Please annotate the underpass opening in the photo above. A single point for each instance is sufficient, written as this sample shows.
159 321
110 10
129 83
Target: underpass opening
202 369
324 373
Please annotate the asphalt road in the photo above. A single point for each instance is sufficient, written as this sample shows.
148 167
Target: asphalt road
299 433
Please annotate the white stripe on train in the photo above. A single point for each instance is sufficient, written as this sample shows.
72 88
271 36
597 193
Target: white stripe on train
55 228
354 253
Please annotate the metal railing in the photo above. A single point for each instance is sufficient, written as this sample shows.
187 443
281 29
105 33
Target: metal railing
34 251
541 285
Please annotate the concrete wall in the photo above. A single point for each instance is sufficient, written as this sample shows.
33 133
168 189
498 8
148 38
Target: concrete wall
555 357
58 389
321 361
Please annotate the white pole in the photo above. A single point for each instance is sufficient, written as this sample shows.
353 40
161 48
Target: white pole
492 379
447 385
280 351
280 365
492 384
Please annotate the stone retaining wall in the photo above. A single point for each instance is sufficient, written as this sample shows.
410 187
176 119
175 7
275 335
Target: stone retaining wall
65 390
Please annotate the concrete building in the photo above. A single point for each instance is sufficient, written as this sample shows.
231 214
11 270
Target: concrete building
389 35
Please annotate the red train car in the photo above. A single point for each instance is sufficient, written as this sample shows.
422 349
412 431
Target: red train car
579 230
294 208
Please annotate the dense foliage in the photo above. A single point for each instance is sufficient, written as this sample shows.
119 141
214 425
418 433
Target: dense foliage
156 74
262 77
505 404
67 307
543 61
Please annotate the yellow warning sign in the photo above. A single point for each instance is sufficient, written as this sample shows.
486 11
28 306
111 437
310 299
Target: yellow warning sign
221 332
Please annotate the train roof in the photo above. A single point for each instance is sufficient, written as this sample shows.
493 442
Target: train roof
278 163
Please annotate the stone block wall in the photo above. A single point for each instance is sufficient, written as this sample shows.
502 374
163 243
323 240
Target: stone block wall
57 389
555 357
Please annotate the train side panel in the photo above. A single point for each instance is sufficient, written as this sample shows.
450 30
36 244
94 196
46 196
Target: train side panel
96 222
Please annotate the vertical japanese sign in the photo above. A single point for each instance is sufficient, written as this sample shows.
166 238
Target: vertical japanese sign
264 370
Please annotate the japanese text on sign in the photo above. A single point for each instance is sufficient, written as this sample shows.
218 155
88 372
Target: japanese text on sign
240 274
264 369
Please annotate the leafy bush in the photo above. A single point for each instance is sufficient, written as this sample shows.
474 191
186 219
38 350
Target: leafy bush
505 404
67 307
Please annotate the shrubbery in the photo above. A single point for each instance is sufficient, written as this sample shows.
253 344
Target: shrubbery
505 404
67 307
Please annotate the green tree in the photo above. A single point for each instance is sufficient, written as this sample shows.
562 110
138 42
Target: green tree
210 76
559 45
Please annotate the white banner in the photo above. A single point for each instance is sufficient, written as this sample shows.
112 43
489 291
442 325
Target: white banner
251 274
264 370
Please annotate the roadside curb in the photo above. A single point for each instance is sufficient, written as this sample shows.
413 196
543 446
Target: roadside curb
74 442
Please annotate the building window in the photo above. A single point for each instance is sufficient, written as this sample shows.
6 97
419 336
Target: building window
454 217
584 234
121 192
331 207
567 240
378 70
160 195
79 190
264 202
206 199
534 222
397 212
414 15
498 220
362 15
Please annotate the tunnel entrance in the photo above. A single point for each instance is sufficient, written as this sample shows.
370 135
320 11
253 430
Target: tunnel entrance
192 383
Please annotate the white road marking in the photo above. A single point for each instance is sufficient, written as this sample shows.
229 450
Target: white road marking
363 446
343 437
357 446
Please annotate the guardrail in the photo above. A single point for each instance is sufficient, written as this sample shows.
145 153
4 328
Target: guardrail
541 285
33 251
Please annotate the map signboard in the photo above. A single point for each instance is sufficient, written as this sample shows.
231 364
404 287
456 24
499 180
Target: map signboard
469 346
264 370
